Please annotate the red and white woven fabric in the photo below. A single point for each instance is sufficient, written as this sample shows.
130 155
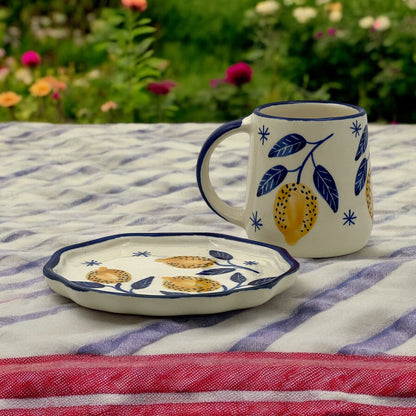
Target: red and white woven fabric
235 383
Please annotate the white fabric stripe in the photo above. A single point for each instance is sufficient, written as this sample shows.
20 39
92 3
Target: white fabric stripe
82 182
205 397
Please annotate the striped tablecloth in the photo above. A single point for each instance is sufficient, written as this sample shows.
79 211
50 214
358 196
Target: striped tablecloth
341 341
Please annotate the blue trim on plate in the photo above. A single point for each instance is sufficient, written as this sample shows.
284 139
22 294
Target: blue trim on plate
54 260
360 111
214 136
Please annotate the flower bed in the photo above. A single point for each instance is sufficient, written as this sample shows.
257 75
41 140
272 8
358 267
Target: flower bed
150 61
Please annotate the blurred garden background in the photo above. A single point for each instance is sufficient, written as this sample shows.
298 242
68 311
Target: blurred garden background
85 61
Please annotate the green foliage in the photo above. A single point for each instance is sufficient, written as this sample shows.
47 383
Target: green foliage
105 52
126 37
337 57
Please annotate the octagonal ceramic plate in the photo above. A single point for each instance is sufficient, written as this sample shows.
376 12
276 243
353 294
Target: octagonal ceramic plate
170 274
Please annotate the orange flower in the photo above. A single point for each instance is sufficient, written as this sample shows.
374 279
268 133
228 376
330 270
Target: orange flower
40 88
9 99
334 7
55 83
109 105
140 4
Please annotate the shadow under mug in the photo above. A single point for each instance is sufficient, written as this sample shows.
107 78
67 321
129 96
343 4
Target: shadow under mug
308 180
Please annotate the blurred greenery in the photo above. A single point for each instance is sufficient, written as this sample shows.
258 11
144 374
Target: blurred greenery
105 52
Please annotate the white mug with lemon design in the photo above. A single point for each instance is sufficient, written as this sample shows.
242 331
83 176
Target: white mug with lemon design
308 181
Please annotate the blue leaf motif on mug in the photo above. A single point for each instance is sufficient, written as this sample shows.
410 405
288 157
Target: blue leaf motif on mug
288 145
326 186
361 177
271 179
362 146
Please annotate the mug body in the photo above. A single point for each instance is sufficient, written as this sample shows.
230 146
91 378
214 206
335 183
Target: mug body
308 184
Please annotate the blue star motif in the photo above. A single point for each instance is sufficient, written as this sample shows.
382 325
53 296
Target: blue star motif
141 253
250 263
263 132
255 221
349 218
92 263
355 128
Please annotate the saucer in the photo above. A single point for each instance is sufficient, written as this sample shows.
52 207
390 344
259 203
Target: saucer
166 274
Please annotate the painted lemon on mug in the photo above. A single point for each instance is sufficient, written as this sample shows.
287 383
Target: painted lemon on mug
369 195
295 211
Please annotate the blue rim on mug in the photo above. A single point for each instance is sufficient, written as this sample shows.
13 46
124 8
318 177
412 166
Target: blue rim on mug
258 111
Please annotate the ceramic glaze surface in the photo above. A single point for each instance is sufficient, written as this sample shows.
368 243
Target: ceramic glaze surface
164 274
309 177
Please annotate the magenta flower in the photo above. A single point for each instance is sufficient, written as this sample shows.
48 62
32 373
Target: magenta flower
239 74
332 31
161 87
30 58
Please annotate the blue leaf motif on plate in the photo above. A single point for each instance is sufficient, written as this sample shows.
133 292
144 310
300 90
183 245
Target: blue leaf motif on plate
222 255
175 294
89 285
213 272
288 145
362 146
238 278
271 179
260 282
143 283
361 177
326 186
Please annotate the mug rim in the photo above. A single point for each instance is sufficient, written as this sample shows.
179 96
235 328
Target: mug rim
360 110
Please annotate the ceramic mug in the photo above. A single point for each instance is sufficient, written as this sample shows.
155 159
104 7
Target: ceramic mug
308 182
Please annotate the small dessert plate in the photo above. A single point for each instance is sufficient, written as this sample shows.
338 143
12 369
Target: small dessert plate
170 274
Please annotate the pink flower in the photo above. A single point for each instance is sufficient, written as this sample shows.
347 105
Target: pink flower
239 74
332 31
30 58
318 35
381 24
215 82
161 87
141 5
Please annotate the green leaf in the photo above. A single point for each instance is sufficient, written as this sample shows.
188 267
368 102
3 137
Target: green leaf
144 21
143 30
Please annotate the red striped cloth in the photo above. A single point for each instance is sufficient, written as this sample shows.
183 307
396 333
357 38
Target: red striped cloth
233 383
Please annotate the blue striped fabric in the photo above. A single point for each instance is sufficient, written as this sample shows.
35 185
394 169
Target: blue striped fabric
65 184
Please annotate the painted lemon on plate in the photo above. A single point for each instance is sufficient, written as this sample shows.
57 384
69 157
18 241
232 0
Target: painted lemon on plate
188 262
108 276
190 284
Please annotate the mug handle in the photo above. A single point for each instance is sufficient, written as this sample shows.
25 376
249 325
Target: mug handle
224 210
